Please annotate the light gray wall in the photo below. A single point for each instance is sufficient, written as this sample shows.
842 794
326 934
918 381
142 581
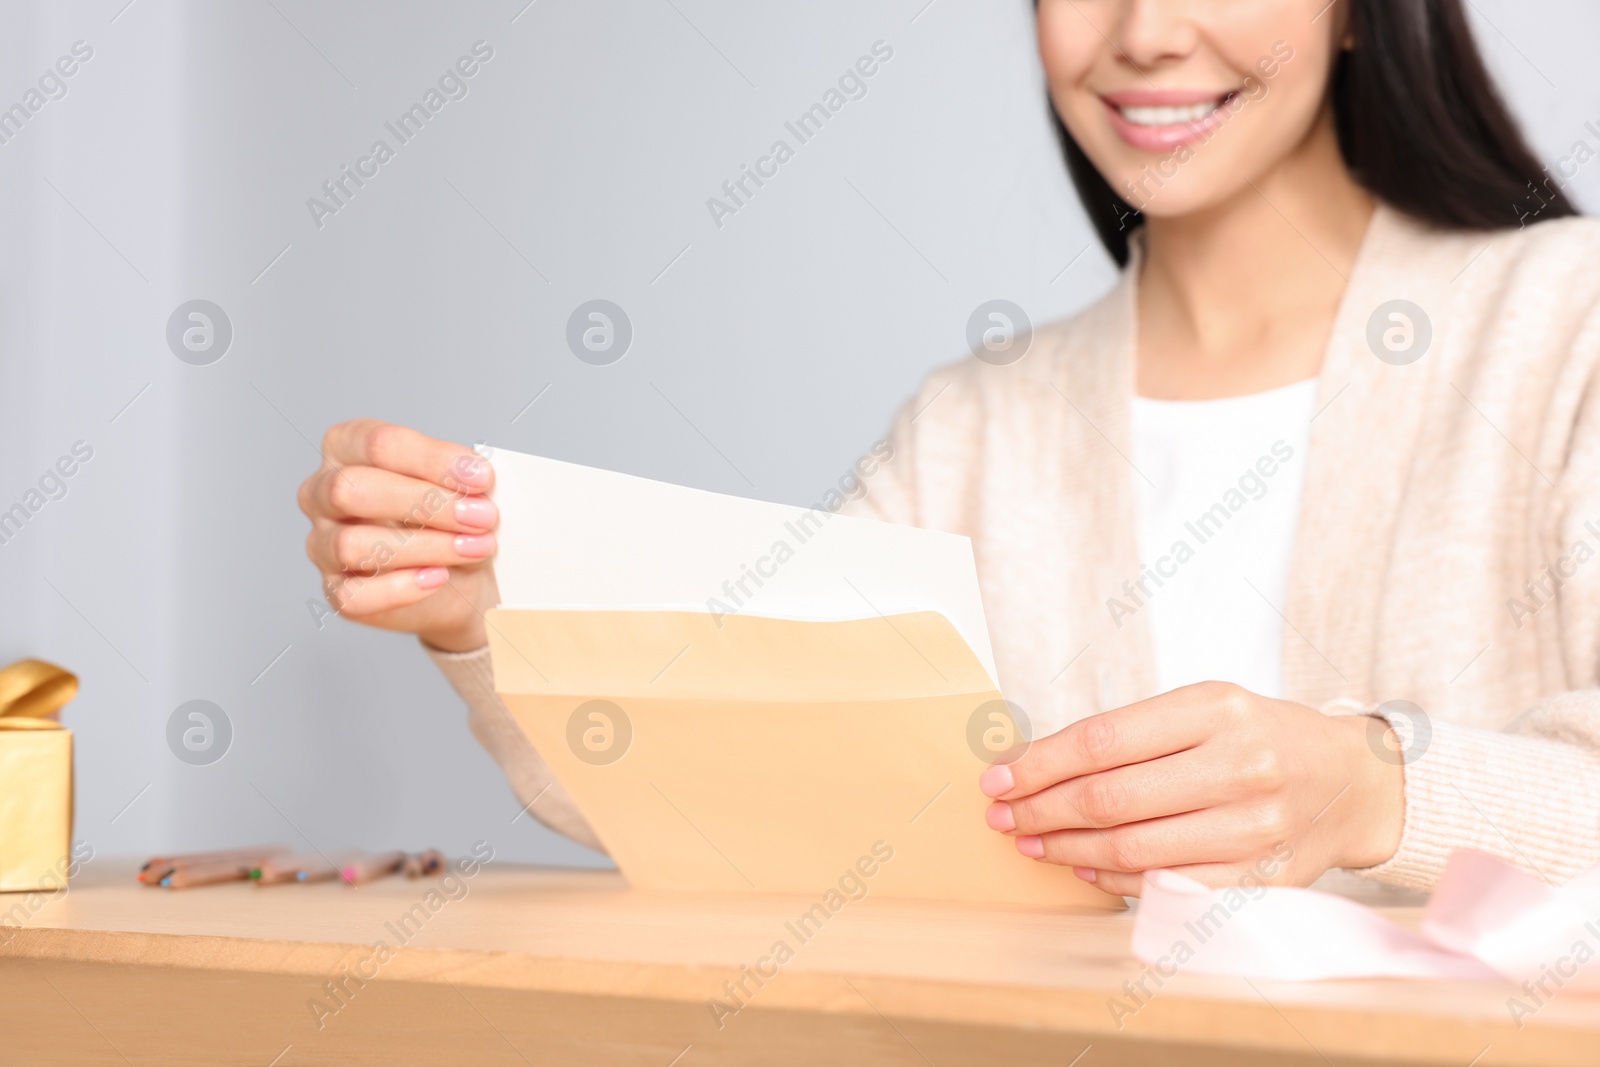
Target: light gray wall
178 166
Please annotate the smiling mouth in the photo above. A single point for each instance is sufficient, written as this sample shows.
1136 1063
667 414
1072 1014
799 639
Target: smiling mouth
1168 117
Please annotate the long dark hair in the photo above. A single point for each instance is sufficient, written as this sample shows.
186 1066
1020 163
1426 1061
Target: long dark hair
1421 126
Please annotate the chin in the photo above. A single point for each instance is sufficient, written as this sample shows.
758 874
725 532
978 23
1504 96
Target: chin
1171 184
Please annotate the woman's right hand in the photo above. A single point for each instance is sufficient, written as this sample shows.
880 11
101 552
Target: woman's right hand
402 532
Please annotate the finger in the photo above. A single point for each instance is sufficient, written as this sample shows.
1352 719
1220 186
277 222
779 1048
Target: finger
1186 781
1251 875
376 496
360 596
371 443
1250 878
1149 729
356 548
1116 883
1216 835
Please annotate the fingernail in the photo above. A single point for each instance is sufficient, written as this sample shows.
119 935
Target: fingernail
475 546
432 577
472 470
1000 817
997 780
1031 845
1088 874
476 511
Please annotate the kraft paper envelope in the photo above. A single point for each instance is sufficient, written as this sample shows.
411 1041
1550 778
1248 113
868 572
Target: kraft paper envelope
739 750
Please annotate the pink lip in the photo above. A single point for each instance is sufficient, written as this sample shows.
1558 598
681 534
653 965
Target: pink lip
1162 138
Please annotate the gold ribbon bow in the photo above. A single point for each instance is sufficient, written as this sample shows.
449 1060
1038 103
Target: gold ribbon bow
32 694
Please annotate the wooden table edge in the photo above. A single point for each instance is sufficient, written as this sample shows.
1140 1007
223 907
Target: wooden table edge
1176 1017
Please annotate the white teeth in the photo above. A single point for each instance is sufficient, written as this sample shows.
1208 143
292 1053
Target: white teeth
1169 116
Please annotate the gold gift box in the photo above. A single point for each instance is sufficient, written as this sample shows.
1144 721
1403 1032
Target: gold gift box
35 777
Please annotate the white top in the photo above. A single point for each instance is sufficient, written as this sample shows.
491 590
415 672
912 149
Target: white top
1219 485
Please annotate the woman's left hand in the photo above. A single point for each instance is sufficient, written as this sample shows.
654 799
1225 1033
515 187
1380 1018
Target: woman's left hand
1208 780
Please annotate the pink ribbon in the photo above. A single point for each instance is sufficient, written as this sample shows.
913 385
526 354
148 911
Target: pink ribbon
1486 920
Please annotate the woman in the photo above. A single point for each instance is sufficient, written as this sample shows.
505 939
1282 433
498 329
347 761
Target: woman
1290 527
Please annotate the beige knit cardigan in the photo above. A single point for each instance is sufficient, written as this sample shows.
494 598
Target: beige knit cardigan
1444 555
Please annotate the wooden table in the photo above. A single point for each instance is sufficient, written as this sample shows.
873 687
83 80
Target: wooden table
540 966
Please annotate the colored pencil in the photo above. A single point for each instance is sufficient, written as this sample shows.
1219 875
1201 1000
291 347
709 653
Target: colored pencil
159 867
206 874
422 864
295 867
370 868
